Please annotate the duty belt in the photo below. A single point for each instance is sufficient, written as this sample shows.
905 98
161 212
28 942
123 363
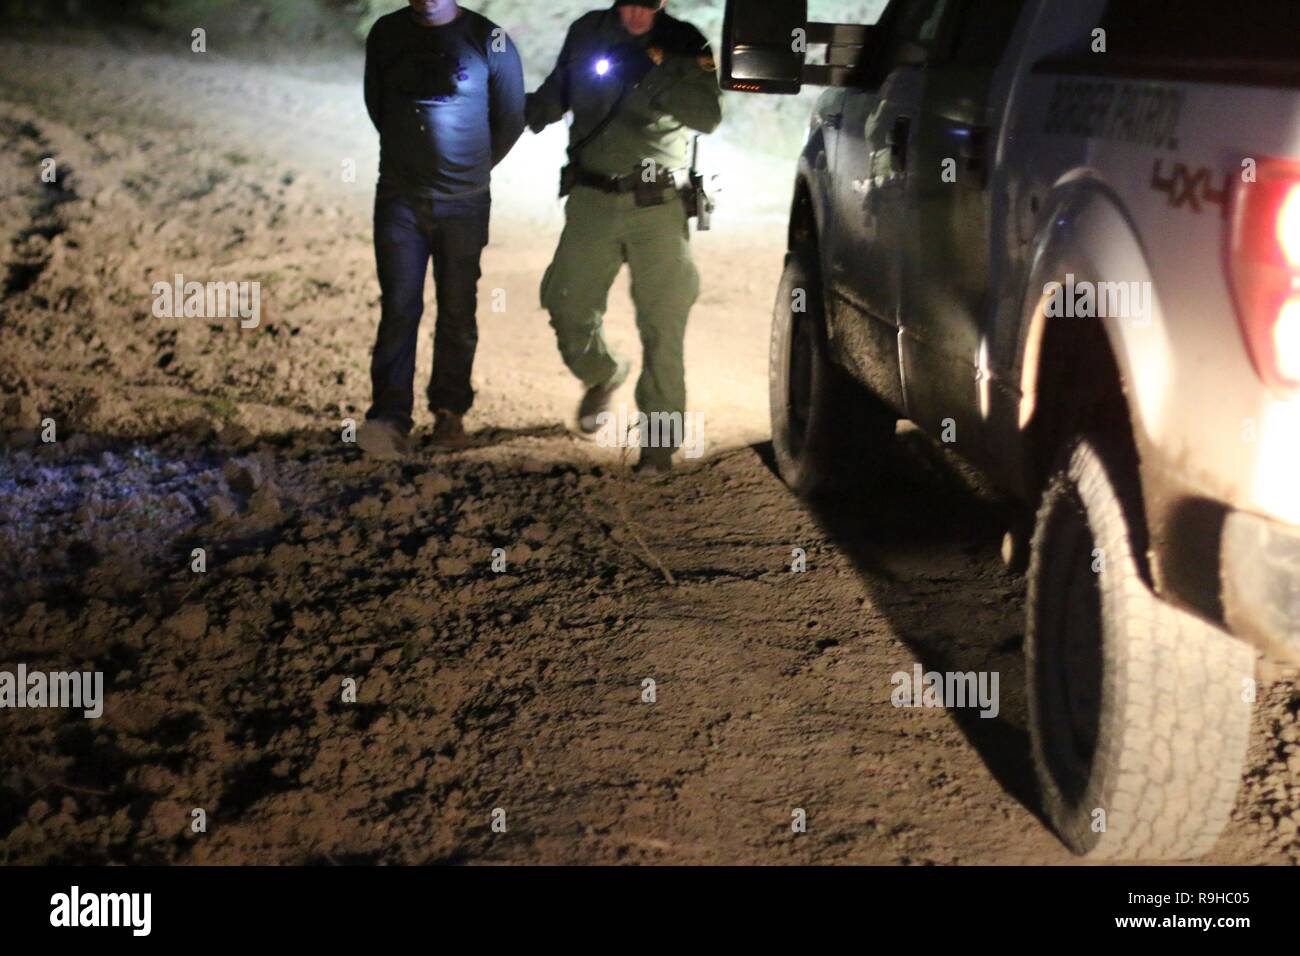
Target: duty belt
633 182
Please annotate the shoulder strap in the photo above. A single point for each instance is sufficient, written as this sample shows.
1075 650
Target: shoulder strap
608 118
599 128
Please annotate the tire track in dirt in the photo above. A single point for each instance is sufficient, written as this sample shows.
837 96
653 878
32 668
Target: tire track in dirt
30 245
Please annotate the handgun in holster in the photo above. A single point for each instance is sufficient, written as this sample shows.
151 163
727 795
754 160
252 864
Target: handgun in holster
699 204
568 179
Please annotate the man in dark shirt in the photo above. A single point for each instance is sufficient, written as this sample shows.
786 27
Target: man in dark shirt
445 89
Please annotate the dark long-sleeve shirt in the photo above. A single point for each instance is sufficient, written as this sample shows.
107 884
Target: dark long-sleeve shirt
448 103
657 110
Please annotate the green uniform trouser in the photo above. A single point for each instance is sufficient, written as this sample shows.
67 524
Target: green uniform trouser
602 232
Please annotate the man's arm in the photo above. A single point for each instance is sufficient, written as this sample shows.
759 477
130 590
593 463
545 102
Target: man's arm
374 90
506 98
551 101
691 95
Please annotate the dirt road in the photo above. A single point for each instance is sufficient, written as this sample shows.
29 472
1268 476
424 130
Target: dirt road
646 680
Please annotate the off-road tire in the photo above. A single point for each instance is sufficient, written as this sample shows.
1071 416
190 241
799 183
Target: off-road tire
1169 717
828 432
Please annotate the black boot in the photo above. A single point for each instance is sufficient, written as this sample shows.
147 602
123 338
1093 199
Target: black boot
655 462
596 401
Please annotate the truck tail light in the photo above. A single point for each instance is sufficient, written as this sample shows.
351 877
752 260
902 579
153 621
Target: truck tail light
1264 266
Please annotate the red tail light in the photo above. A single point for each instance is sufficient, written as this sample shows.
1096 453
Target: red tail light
1264 265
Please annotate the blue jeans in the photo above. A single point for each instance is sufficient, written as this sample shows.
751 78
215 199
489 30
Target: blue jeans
408 233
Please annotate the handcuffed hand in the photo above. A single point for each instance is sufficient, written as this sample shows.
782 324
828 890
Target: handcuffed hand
532 115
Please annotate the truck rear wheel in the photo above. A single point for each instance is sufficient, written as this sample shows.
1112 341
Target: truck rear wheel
1139 714
826 429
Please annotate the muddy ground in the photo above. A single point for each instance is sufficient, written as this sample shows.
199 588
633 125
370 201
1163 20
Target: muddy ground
478 689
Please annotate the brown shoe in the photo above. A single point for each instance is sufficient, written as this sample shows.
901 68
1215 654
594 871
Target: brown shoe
449 431
382 440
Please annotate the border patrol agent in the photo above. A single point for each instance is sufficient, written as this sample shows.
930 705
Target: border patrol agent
638 82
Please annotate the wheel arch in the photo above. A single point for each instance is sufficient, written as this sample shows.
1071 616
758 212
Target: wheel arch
805 224
1079 374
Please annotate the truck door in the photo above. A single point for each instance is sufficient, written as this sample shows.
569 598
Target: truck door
945 280
872 166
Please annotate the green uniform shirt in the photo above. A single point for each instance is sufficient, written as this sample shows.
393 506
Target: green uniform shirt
655 112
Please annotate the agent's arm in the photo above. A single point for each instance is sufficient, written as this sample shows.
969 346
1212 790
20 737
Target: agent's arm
551 101
689 91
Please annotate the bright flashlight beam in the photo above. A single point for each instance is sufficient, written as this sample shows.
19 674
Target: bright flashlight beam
602 67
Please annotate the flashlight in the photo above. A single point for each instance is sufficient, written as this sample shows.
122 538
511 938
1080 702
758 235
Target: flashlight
602 66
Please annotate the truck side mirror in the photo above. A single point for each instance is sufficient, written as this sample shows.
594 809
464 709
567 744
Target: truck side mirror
760 48
765 47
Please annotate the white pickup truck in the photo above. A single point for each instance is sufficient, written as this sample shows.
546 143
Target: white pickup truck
1064 236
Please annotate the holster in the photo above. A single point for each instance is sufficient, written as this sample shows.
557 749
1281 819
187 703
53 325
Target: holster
568 179
695 196
653 193
656 192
